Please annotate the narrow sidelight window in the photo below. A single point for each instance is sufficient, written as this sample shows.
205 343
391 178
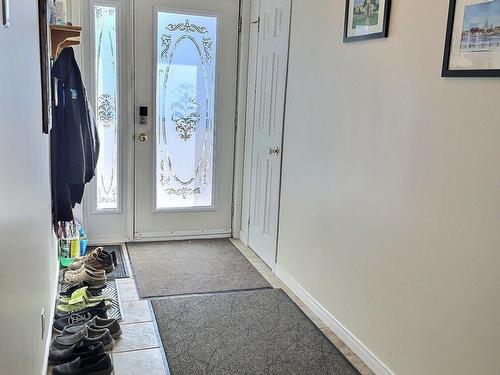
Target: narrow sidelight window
107 102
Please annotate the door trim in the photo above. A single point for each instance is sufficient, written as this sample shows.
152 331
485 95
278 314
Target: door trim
165 236
82 12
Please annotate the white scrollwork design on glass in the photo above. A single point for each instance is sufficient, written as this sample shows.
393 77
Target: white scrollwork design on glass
106 79
185 110
187 27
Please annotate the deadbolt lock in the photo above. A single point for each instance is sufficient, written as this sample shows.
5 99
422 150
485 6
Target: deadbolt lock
143 137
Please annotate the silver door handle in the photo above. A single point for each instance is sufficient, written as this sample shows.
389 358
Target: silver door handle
275 151
142 137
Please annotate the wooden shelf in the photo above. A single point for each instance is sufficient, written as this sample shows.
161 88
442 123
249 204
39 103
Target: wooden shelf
63 36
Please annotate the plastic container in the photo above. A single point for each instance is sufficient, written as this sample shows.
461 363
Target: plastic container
75 247
64 248
52 12
69 242
61 15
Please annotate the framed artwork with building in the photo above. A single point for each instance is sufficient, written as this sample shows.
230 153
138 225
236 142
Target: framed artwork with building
366 19
472 39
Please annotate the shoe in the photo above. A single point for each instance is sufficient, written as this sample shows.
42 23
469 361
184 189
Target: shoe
95 279
83 292
87 335
97 365
82 350
79 261
99 310
103 261
96 323
105 253
94 291
80 304
98 259
85 267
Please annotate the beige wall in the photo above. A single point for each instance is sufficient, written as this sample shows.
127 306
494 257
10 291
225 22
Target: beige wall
391 190
27 253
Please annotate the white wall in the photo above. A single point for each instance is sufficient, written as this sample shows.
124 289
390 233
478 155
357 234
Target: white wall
27 252
391 190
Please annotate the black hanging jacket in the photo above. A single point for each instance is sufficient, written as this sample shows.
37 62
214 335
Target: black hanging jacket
74 140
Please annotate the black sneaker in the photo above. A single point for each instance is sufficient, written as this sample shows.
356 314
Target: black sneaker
99 309
96 323
98 365
113 255
95 292
87 335
82 350
78 318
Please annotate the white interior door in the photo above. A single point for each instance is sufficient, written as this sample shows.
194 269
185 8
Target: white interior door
273 26
185 75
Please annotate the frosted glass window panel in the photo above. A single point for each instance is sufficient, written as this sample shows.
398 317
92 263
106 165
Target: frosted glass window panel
185 110
106 101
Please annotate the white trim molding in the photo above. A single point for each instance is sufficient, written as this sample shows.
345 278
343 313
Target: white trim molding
49 315
370 359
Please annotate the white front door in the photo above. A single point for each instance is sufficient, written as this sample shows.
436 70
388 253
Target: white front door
185 80
271 59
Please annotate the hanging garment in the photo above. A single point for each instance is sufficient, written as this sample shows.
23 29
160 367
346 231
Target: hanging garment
74 140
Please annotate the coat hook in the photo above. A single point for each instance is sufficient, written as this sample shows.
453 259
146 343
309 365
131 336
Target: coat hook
5 13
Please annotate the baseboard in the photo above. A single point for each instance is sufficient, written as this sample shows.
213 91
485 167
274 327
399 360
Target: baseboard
50 320
370 359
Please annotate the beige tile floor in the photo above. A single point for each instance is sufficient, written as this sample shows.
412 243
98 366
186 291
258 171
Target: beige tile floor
139 350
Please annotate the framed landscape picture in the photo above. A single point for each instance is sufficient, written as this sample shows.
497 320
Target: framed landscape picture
472 39
366 19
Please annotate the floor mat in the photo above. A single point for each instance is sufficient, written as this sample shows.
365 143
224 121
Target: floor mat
191 267
120 271
252 332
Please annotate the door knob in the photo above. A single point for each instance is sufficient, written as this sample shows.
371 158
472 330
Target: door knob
143 137
275 151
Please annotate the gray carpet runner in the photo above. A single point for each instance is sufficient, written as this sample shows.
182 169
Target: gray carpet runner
251 332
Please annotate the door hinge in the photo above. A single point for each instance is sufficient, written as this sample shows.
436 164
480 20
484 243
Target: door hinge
236 120
258 24
232 208
240 24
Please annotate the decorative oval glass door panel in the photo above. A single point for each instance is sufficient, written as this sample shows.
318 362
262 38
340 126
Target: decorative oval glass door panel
185 110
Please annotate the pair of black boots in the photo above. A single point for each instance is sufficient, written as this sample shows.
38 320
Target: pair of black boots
82 358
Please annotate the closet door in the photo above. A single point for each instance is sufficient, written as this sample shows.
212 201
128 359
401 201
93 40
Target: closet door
271 56
185 71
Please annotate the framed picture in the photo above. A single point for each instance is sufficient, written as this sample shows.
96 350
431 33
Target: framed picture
44 64
366 19
472 39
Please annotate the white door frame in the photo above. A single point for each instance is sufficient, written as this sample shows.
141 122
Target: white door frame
243 134
122 230
243 234
241 119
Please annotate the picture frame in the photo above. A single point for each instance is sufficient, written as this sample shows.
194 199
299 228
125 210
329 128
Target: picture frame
366 19
43 27
472 44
